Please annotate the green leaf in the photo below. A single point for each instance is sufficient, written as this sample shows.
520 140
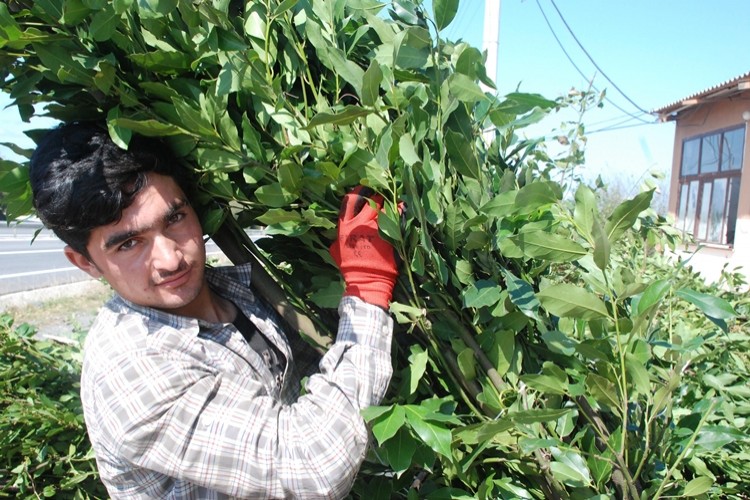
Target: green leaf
545 384
713 307
74 11
501 205
462 154
399 450
652 295
522 295
638 375
122 5
390 225
217 160
548 246
569 301
715 437
697 486
624 216
483 432
290 178
465 89
149 128
601 246
412 48
519 103
14 180
211 220
603 390
407 151
483 293
585 210
121 136
162 61
151 9
467 363
443 12
372 412
283 7
560 343
530 445
567 474
371 84
328 296
435 436
56 57
272 195
576 471
662 398
193 120
417 366
103 24
537 195
386 425
539 415
348 70
406 314
9 29
347 116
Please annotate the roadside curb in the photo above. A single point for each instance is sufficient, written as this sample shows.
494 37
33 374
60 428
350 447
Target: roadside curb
41 295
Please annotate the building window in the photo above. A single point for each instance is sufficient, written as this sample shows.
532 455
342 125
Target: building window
710 185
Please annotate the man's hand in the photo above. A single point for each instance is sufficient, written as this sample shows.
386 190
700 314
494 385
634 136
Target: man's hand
366 260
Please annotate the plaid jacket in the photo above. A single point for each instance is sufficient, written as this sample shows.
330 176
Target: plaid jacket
180 408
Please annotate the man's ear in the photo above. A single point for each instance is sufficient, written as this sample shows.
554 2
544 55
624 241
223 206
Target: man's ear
82 262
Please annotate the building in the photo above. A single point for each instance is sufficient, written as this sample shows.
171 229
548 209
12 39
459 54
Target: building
709 199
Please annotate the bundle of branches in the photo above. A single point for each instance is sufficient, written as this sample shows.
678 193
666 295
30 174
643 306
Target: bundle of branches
533 358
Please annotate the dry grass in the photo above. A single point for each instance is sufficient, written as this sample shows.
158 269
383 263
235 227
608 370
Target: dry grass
56 315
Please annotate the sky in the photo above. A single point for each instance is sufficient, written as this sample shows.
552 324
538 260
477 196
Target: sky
645 54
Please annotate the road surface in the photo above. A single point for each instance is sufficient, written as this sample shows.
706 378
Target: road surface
28 266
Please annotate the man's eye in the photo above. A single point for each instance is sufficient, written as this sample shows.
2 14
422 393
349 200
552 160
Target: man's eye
127 245
176 217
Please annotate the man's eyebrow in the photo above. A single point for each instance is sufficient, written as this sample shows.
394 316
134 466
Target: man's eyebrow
117 238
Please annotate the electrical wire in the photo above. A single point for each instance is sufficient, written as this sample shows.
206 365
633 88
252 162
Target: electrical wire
613 127
580 72
592 59
616 118
459 23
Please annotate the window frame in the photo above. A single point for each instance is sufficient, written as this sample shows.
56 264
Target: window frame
705 183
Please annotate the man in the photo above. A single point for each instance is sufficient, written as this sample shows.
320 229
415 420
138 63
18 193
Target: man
188 384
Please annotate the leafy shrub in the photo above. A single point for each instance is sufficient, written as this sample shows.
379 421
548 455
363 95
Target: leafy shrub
543 350
45 450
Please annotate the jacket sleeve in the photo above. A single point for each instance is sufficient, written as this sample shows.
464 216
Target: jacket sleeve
227 434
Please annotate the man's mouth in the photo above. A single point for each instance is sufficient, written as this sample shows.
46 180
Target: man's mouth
176 279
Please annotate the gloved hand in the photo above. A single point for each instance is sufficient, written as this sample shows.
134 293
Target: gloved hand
367 262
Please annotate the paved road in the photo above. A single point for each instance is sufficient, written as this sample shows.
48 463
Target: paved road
28 266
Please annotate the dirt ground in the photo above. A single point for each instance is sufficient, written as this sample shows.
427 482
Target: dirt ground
60 311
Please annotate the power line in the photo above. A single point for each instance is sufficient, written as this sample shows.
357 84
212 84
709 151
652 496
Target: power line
592 59
459 24
580 72
617 118
614 127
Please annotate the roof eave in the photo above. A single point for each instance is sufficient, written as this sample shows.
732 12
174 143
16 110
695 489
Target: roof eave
731 87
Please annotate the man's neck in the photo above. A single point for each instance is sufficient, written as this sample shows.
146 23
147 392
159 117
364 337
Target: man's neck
208 306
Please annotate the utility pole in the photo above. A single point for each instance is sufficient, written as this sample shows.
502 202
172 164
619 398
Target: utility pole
491 36
491 44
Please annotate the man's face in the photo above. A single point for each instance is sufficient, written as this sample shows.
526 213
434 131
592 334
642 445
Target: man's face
155 255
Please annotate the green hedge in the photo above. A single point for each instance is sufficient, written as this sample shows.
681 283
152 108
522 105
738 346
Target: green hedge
45 450
543 350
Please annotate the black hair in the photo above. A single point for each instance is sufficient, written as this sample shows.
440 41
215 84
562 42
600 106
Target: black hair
81 179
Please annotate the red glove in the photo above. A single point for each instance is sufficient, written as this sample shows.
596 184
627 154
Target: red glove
366 260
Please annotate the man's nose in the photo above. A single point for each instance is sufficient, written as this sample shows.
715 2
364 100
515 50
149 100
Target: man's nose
166 254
